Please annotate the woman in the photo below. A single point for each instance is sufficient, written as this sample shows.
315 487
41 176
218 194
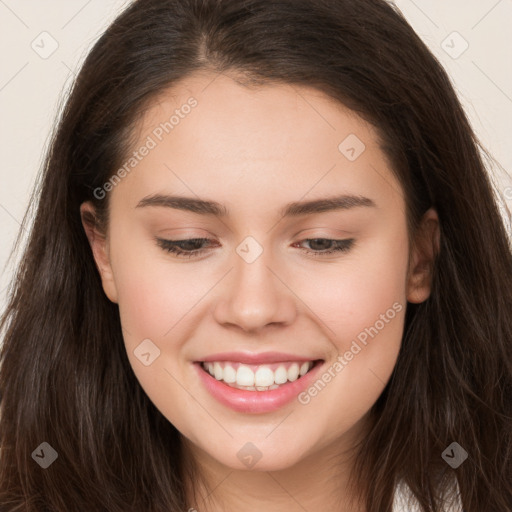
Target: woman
267 270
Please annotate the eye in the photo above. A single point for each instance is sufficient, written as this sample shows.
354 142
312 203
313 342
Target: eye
333 246
183 248
192 247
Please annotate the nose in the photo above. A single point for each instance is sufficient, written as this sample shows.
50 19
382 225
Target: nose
254 296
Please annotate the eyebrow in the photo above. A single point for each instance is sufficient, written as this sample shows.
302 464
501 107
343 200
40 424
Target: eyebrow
294 209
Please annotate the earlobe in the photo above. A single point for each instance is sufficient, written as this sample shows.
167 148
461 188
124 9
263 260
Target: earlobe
99 247
426 247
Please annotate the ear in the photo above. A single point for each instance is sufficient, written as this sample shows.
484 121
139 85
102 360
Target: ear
100 249
421 263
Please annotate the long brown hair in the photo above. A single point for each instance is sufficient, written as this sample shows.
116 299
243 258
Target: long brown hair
65 378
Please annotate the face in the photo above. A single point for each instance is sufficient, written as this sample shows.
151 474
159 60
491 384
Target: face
277 280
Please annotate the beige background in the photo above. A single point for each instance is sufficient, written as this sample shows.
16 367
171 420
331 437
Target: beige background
32 80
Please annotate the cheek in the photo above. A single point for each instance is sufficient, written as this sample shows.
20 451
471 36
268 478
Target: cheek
351 295
153 299
153 295
363 310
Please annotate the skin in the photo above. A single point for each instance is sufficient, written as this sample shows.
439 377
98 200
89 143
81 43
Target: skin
255 150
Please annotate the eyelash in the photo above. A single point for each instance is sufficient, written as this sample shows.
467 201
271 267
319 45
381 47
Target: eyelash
172 246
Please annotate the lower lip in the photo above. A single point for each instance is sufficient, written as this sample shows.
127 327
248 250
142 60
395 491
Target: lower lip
244 401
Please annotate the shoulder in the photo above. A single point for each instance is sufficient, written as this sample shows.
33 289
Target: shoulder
404 500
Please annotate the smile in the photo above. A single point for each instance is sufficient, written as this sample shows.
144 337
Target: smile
256 388
257 377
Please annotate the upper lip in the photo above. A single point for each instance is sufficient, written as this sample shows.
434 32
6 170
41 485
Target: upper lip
251 358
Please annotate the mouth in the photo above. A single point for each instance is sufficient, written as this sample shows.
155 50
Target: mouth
258 378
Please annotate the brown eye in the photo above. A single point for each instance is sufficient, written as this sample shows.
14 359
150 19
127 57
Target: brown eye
321 246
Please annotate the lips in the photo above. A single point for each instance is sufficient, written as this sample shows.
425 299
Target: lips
255 398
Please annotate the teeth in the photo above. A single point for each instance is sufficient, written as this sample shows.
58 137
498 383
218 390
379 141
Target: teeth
229 375
257 378
244 376
293 372
264 377
280 375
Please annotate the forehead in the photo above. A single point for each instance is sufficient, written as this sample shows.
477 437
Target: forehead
245 117
211 136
